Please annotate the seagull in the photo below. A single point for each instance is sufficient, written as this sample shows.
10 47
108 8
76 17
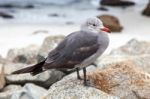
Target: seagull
76 51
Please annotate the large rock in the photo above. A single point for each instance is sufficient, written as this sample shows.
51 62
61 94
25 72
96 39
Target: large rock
8 91
25 55
44 79
133 47
117 3
2 77
29 91
111 22
10 6
49 43
71 88
123 80
146 11
6 15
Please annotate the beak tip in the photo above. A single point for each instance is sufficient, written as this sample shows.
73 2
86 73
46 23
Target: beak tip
105 29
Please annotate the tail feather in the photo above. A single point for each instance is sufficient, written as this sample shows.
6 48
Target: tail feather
35 69
24 70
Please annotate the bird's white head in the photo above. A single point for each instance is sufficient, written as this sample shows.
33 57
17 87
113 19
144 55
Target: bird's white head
94 25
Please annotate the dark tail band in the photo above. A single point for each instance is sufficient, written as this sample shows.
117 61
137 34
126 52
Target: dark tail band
35 69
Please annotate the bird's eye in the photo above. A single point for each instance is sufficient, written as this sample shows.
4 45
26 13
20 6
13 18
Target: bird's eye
94 24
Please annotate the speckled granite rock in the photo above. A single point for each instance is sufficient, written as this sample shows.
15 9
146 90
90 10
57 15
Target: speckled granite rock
133 47
7 92
26 55
29 91
71 88
123 80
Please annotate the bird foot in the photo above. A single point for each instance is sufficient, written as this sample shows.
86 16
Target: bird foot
88 83
80 78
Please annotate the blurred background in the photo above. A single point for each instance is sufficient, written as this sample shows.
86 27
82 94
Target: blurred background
26 22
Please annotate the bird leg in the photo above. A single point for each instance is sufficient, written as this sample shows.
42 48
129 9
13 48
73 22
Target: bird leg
86 82
78 75
84 72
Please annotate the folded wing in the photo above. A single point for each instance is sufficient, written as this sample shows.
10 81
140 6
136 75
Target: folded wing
74 49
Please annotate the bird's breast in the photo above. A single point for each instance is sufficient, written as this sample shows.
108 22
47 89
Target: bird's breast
103 40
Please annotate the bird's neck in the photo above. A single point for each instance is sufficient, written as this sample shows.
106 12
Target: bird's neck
89 30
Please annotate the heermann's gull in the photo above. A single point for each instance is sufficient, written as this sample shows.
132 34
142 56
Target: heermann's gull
78 50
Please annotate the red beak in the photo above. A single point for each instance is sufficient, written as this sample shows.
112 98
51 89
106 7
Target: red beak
105 29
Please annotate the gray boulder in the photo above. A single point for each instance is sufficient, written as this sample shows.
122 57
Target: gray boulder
26 55
133 47
6 15
29 91
7 92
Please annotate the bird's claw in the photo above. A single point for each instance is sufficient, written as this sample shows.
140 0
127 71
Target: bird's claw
80 78
87 83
